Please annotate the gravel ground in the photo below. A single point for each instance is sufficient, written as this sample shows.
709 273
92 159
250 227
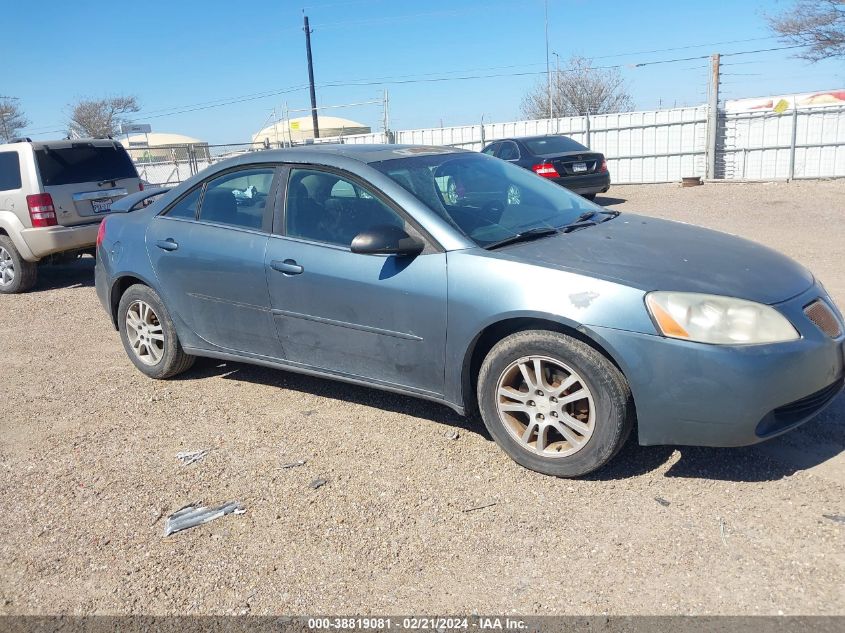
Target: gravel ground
89 472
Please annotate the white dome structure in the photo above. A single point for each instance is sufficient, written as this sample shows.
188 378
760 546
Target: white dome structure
162 146
302 128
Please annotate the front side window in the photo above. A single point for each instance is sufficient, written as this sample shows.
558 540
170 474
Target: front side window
10 171
488 200
238 198
491 151
324 207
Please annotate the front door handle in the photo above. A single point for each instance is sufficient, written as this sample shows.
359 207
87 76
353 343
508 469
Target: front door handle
167 245
288 267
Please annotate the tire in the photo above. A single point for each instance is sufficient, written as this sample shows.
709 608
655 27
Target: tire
570 368
154 348
589 196
16 274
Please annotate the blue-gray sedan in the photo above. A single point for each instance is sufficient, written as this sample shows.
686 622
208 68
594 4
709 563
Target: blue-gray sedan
457 277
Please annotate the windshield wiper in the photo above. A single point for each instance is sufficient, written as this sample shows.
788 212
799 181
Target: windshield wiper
524 236
588 219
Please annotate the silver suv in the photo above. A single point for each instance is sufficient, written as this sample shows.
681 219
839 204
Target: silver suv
53 195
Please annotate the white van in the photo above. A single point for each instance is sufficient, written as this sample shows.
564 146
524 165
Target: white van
53 195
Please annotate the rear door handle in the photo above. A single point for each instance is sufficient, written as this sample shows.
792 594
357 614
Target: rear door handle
167 245
288 267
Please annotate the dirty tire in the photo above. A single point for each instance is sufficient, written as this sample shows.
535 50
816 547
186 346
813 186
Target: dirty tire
612 404
25 273
173 359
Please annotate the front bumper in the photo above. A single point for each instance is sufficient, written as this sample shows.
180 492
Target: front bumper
587 183
59 239
713 395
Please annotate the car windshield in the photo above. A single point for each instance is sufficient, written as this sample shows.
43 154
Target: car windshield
553 145
487 199
83 162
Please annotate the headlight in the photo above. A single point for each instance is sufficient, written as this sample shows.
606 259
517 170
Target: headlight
718 320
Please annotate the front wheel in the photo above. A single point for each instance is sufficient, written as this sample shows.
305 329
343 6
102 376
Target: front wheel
553 403
148 335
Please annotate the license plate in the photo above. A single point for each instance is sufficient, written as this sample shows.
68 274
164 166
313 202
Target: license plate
579 167
103 205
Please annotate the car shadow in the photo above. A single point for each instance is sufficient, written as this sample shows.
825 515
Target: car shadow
75 274
819 441
335 389
607 201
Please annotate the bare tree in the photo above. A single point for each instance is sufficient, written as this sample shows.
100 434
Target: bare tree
818 25
12 119
577 90
99 118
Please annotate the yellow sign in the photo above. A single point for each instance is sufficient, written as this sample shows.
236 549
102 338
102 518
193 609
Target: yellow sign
781 106
294 125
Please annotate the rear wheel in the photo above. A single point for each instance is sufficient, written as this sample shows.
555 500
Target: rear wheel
16 274
148 335
553 403
589 196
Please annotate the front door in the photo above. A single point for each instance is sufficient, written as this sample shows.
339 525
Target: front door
378 318
208 253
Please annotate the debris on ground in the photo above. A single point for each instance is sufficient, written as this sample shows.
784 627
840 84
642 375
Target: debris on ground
836 518
189 457
481 507
195 514
662 501
318 483
722 531
454 435
301 462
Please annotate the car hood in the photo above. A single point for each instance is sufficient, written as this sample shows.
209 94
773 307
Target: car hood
653 254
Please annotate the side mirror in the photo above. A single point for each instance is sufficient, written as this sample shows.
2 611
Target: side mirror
386 240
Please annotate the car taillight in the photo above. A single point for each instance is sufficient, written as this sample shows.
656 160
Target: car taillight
41 210
141 186
546 170
101 232
603 167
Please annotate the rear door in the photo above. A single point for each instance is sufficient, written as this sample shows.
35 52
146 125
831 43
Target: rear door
207 250
84 178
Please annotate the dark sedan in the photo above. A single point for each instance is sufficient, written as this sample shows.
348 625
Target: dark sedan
558 158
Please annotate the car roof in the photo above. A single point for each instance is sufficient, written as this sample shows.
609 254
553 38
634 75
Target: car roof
65 143
364 153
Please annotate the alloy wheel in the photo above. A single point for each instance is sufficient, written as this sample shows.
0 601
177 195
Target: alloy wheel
546 406
145 334
7 268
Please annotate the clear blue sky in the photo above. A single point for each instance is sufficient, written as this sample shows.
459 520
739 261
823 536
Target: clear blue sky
182 52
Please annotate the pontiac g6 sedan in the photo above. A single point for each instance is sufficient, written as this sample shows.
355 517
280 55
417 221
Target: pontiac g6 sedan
460 278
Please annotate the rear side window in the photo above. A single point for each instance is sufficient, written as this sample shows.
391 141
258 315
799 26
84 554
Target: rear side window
509 151
83 162
187 207
10 171
238 199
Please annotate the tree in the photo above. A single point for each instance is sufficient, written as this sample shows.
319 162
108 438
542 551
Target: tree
818 25
99 118
578 90
12 119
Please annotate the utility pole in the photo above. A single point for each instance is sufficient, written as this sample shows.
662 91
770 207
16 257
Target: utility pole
712 115
548 68
316 125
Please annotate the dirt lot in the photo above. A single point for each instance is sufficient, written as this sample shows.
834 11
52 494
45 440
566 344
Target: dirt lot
89 470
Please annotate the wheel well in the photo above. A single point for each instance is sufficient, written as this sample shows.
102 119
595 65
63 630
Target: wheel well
119 287
3 232
492 334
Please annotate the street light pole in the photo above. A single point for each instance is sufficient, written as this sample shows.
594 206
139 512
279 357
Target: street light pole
548 68
314 122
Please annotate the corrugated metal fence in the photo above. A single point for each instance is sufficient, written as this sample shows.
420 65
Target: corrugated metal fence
640 147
